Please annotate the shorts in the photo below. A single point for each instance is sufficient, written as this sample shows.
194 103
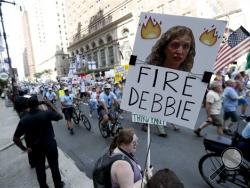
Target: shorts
101 112
242 101
216 120
232 115
68 113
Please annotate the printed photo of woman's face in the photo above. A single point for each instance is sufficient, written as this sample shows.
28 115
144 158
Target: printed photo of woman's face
176 51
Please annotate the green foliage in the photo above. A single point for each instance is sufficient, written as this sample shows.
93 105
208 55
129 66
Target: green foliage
46 72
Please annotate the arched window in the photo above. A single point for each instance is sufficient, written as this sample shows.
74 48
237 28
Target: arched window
101 42
109 38
125 32
87 47
81 50
93 45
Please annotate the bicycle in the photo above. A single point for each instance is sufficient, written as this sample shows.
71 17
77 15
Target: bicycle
112 127
215 146
79 115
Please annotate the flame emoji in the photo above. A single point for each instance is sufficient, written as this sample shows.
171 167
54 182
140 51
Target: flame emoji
209 37
151 30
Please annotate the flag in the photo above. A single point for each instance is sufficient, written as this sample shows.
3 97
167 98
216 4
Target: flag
248 61
238 44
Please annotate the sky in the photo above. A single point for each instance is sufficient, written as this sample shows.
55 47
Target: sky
13 29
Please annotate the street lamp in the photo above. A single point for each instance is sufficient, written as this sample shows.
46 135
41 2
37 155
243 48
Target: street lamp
13 79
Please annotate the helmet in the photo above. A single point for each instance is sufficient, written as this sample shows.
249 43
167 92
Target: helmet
107 86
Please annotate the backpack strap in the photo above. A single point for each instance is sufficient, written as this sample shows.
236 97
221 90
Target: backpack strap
117 157
114 158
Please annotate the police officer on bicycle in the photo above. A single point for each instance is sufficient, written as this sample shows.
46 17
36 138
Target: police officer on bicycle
106 99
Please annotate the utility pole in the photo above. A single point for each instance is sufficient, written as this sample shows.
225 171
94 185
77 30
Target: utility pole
13 79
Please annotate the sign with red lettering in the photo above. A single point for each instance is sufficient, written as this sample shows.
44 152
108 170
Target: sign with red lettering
166 80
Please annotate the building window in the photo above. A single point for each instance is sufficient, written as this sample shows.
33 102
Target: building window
93 45
103 57
111 55
87 47
89 57
109 39
101 42
125 32
95 58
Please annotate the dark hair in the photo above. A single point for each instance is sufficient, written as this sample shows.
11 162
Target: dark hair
164 178
20 104
125 136
157 56
33 102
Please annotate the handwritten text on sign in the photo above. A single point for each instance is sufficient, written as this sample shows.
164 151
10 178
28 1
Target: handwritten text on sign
138 118
162 93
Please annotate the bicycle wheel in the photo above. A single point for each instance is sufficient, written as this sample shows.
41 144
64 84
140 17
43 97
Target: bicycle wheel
75 117
208 164
86 122
104 130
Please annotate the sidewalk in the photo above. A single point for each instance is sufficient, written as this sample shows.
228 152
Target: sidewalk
14 168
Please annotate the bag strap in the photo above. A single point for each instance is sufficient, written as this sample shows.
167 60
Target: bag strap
117 157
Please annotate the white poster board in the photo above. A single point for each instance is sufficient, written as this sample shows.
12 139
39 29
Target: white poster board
172 53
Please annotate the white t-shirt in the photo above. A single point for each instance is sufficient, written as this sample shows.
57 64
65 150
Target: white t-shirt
93 96
215 99
82 87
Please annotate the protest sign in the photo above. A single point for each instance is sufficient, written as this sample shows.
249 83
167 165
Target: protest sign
138 118
172 54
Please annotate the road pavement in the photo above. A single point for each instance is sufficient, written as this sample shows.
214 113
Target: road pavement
180 151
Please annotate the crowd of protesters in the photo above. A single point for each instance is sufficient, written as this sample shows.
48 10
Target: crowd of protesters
225 101
227 95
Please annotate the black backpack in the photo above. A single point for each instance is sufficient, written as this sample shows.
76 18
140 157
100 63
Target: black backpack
102 169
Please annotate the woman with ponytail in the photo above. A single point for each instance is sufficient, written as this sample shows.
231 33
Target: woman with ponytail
123 174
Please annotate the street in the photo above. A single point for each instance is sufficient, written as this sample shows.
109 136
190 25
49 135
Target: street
180 151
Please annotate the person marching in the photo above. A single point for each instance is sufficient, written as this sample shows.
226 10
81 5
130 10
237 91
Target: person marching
67 109
213 106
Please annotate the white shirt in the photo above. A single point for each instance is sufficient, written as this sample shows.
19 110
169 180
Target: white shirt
82 87
93 96
215 99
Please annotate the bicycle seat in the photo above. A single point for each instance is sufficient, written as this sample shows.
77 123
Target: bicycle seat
216 143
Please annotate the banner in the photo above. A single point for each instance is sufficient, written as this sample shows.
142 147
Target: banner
166 80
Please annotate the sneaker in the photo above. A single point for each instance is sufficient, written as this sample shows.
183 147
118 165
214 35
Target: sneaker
121 117
90 115
243 116
163 135
197 132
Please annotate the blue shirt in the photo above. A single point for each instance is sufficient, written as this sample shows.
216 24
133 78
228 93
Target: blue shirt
246 131
50 95
230 99
67 100
108 99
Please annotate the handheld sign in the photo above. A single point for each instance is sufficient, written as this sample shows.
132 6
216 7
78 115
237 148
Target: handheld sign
170 55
